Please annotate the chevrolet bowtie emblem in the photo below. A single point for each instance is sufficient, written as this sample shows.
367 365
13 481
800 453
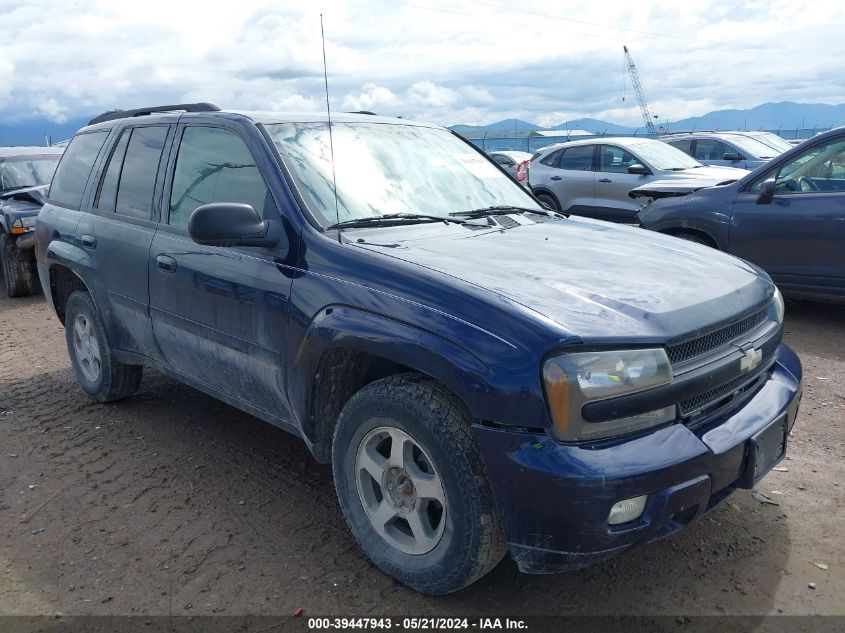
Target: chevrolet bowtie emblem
752 358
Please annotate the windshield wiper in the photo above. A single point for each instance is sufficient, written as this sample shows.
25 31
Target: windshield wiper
392 219
494 210
503 210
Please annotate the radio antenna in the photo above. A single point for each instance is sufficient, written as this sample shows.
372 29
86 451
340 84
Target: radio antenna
329 115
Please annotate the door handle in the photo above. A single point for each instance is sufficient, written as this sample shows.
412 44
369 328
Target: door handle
89 242
605 180
166 263
555 178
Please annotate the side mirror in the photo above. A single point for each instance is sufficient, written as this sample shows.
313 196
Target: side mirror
233 224
767 191
733 156
637 168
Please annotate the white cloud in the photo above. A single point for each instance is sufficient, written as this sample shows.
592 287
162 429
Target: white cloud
451 61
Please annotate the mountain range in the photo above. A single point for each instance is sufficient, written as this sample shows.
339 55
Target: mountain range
785 115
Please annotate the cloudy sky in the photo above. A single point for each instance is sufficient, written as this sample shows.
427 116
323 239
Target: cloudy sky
448 61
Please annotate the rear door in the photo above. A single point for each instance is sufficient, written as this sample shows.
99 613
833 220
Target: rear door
613 182
119 230
220 314
798 237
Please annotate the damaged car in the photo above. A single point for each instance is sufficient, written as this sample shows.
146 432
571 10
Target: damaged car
788 217
24 175
592 177
474 367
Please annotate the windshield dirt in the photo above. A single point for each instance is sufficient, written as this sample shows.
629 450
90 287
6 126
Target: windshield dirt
385 169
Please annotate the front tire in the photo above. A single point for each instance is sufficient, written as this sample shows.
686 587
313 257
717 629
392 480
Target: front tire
549 200
17 272
98 372
412 485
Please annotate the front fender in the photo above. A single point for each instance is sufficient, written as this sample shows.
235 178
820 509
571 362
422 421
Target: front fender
408 345
671 215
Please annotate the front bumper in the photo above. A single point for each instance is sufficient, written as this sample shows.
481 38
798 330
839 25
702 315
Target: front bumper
554 499
25 241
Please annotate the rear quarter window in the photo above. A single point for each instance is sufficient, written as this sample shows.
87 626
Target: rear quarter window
74 169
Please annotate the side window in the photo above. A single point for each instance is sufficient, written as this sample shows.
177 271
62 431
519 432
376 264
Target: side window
578 158
819 168
683 145
214 165
74 168
108 186
615 159
710 149
138 175
551 159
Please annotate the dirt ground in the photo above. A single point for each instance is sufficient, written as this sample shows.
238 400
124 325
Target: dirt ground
173 503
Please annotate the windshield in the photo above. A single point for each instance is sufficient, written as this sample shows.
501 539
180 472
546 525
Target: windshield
663 157
27 171
752 147
773 140
386 168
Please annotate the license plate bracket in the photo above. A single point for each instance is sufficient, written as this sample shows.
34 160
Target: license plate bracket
766 449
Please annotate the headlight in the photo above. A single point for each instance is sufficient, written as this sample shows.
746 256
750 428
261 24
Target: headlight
572 380
23 225
777 305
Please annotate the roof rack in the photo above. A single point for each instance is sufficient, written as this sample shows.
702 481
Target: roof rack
113 115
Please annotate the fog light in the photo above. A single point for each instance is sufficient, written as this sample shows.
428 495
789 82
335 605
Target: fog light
627 510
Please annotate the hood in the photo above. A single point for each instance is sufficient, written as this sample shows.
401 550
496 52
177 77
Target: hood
712 172
37 194
596 280
676 187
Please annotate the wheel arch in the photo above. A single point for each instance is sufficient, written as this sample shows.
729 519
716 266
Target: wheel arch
676 231
346 349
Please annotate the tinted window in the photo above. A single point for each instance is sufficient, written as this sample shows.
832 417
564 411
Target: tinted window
138 176
577 158
214 165
108 186
615 159
684 146
551 159
72 173
711 149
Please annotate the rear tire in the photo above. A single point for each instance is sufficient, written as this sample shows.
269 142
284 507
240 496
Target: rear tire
412 485
548 199
17 271
99 373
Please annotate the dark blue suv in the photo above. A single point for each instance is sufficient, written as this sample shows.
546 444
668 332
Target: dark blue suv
484 375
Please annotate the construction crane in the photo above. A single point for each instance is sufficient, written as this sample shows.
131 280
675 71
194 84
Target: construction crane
648 117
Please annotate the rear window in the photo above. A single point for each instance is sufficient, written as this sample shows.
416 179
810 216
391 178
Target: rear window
72 173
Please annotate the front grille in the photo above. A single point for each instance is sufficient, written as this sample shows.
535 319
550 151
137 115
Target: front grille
733 388
699 346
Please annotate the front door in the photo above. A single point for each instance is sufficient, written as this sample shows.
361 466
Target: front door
220 314
799 236
613 182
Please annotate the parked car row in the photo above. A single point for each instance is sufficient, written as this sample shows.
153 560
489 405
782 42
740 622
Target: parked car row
473 364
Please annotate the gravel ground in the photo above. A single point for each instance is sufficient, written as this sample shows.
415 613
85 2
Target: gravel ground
173 503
